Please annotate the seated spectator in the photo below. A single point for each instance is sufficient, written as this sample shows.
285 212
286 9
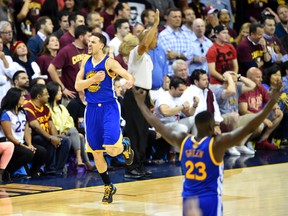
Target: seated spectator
272 76
48 52
253 101
21 81
180 69
207 101
76 108
65 125
227 97
16 130
44 132
6 151
24 61
170 109
274 45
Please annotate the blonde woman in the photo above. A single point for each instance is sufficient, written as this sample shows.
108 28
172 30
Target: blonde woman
244 31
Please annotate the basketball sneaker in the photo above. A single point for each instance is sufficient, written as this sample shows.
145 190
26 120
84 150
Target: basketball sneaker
128 152
109 191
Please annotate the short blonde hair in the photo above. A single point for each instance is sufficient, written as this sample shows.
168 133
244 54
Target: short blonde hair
129 42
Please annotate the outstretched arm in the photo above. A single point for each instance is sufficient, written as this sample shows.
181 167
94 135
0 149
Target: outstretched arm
233 138
171 136
150 36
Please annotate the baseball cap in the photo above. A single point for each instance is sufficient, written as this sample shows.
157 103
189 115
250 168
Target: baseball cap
210 10
219 28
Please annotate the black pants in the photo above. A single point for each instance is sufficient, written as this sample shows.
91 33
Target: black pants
56 157
21 156
137 129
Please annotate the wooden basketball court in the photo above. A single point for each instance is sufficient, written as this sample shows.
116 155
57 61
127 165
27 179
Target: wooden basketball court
255 191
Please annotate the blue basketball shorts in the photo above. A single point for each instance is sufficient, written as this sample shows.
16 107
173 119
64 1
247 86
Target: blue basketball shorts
102 125
208 206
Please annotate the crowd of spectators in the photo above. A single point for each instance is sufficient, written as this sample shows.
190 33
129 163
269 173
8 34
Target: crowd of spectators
199 57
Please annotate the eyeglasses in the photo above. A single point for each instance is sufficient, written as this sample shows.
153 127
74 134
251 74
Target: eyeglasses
201 46
7 32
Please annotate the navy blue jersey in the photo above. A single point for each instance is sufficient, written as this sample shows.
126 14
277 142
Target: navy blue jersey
99 92
203 175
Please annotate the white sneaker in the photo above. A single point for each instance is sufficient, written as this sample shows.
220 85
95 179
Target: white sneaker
250 146
244 150
233 151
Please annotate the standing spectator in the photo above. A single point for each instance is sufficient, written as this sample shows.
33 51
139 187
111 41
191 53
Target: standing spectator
94 20
200 46
122 11
75 20
6 33
6 11
148 17
243 33
24 61
225 19
281 27
108 12
6 71
128 43
162 6
51 9
63 23
45 27
221 57
69 60
71 6
188 19
122 29
16 130
137 129
26 15
199 8
175 42
48 52
44 132
90 6
252 50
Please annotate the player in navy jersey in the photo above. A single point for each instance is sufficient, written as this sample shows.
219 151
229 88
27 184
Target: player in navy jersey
102 114
202 154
